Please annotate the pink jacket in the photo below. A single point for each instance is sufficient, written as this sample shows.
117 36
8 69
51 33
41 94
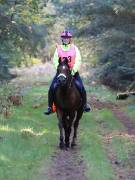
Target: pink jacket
70 54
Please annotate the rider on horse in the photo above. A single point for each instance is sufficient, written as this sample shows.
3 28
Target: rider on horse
71 52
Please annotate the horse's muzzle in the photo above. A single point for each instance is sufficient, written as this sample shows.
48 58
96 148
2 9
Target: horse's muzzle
62 79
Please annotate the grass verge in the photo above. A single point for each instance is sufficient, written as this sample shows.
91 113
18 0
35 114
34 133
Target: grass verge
92 145
27 138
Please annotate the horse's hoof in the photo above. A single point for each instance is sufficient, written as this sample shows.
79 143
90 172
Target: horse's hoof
73 145
62 146
67 145
66 148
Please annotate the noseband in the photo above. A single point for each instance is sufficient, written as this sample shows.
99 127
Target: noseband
61 74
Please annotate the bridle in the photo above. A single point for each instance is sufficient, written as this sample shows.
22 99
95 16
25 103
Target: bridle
70 84
71 79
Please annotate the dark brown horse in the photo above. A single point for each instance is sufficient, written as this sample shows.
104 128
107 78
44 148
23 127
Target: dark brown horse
69 105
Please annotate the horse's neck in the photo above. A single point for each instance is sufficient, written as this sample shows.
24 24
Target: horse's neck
64 89
68 98
68 86
70 82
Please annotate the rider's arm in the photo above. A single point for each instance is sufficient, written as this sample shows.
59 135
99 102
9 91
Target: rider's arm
78 60
56 59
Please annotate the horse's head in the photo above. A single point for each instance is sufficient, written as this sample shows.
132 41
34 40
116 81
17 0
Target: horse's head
63 72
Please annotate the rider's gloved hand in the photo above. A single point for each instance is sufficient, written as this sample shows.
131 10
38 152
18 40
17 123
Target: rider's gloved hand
73 72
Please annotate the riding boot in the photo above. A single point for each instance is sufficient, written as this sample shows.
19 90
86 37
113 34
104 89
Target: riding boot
50 103
51 93
86 107
80 86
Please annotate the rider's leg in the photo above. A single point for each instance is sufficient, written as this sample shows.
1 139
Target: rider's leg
80 86
51 96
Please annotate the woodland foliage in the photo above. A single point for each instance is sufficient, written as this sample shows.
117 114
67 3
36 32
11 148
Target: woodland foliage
108 28
22 31
104 31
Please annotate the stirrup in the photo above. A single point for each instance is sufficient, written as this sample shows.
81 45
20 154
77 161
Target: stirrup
49 111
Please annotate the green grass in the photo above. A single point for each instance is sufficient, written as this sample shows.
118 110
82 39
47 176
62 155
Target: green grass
27 139
124 148
98 166
95 127
101 92
92 145
124 153
108 122
131 111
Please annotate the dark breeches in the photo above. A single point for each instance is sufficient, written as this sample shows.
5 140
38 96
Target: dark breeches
52 91
80 87
78 82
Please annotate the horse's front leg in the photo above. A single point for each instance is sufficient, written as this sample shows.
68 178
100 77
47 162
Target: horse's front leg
67 122
61 144
67 136
73 143
61 129
75 126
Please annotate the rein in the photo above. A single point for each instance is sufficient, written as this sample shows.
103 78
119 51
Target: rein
70 84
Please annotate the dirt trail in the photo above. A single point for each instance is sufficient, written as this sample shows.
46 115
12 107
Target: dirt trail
66 165
118 113
121 170
126 120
